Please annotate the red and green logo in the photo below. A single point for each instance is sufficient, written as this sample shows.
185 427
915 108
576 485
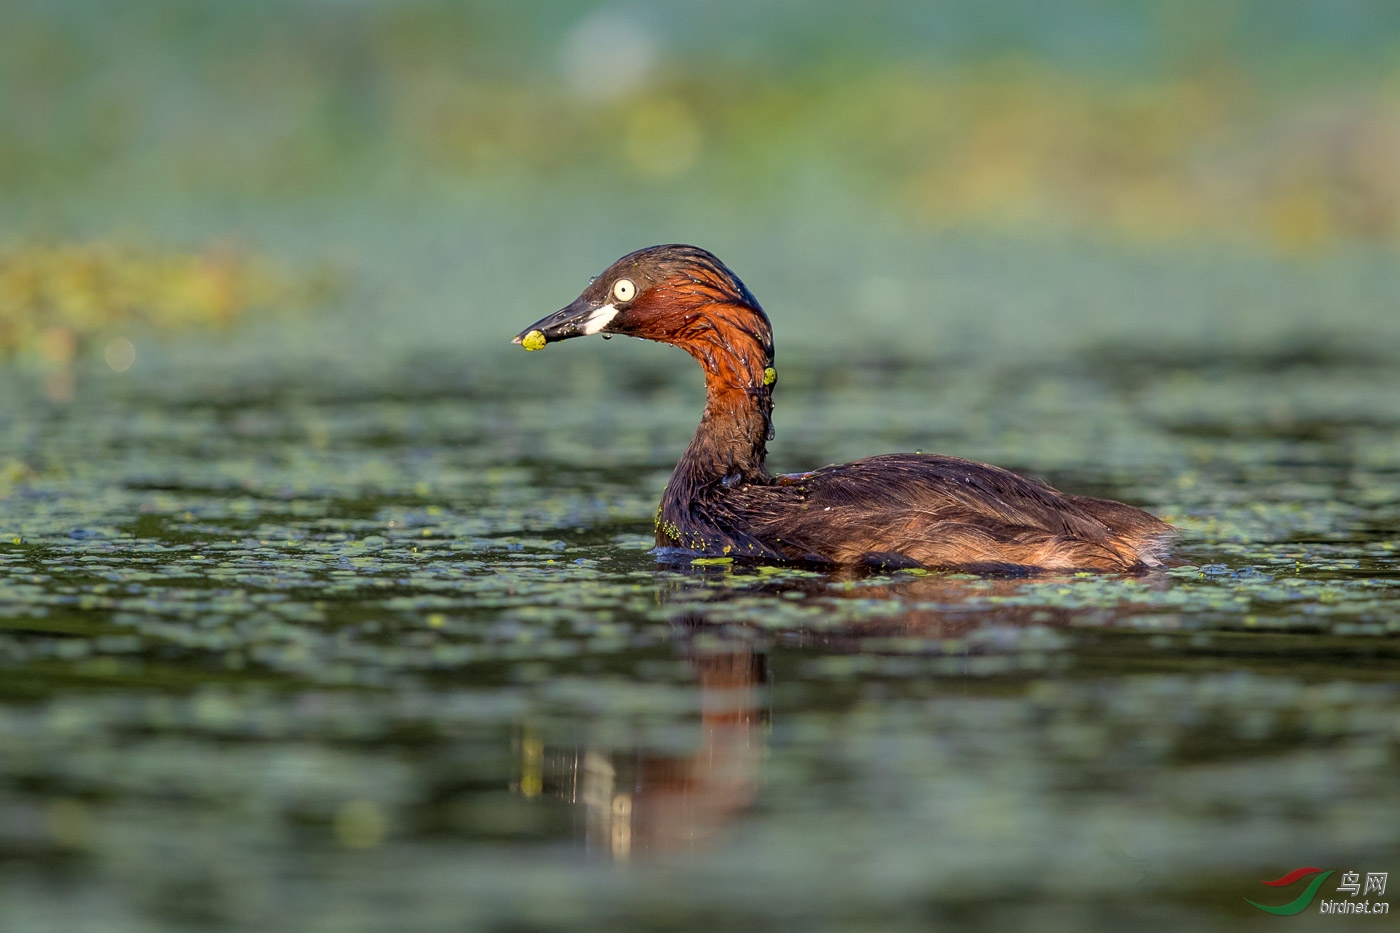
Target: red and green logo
1299 903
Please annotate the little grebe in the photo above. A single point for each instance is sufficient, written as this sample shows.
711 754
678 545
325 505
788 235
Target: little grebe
897 510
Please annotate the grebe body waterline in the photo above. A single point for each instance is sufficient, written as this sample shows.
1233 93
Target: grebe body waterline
896 510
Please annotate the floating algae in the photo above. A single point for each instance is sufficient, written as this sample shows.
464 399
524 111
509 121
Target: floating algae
394 659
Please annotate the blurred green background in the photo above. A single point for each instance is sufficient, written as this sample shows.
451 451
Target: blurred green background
1271 124
324 608
479 160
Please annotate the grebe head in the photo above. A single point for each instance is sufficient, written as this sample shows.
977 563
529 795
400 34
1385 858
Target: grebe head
674 294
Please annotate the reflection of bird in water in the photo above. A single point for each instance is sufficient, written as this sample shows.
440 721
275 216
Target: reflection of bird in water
897 510
645 802
639 802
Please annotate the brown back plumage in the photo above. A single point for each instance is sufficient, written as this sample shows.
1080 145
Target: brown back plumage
947 512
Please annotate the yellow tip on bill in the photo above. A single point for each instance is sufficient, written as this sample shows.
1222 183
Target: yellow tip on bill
534 340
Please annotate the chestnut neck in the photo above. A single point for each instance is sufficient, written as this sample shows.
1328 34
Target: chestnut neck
733 345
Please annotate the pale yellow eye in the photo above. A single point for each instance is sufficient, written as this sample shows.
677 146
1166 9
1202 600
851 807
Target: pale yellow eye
624 290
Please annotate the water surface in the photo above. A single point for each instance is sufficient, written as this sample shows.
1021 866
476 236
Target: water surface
358 628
